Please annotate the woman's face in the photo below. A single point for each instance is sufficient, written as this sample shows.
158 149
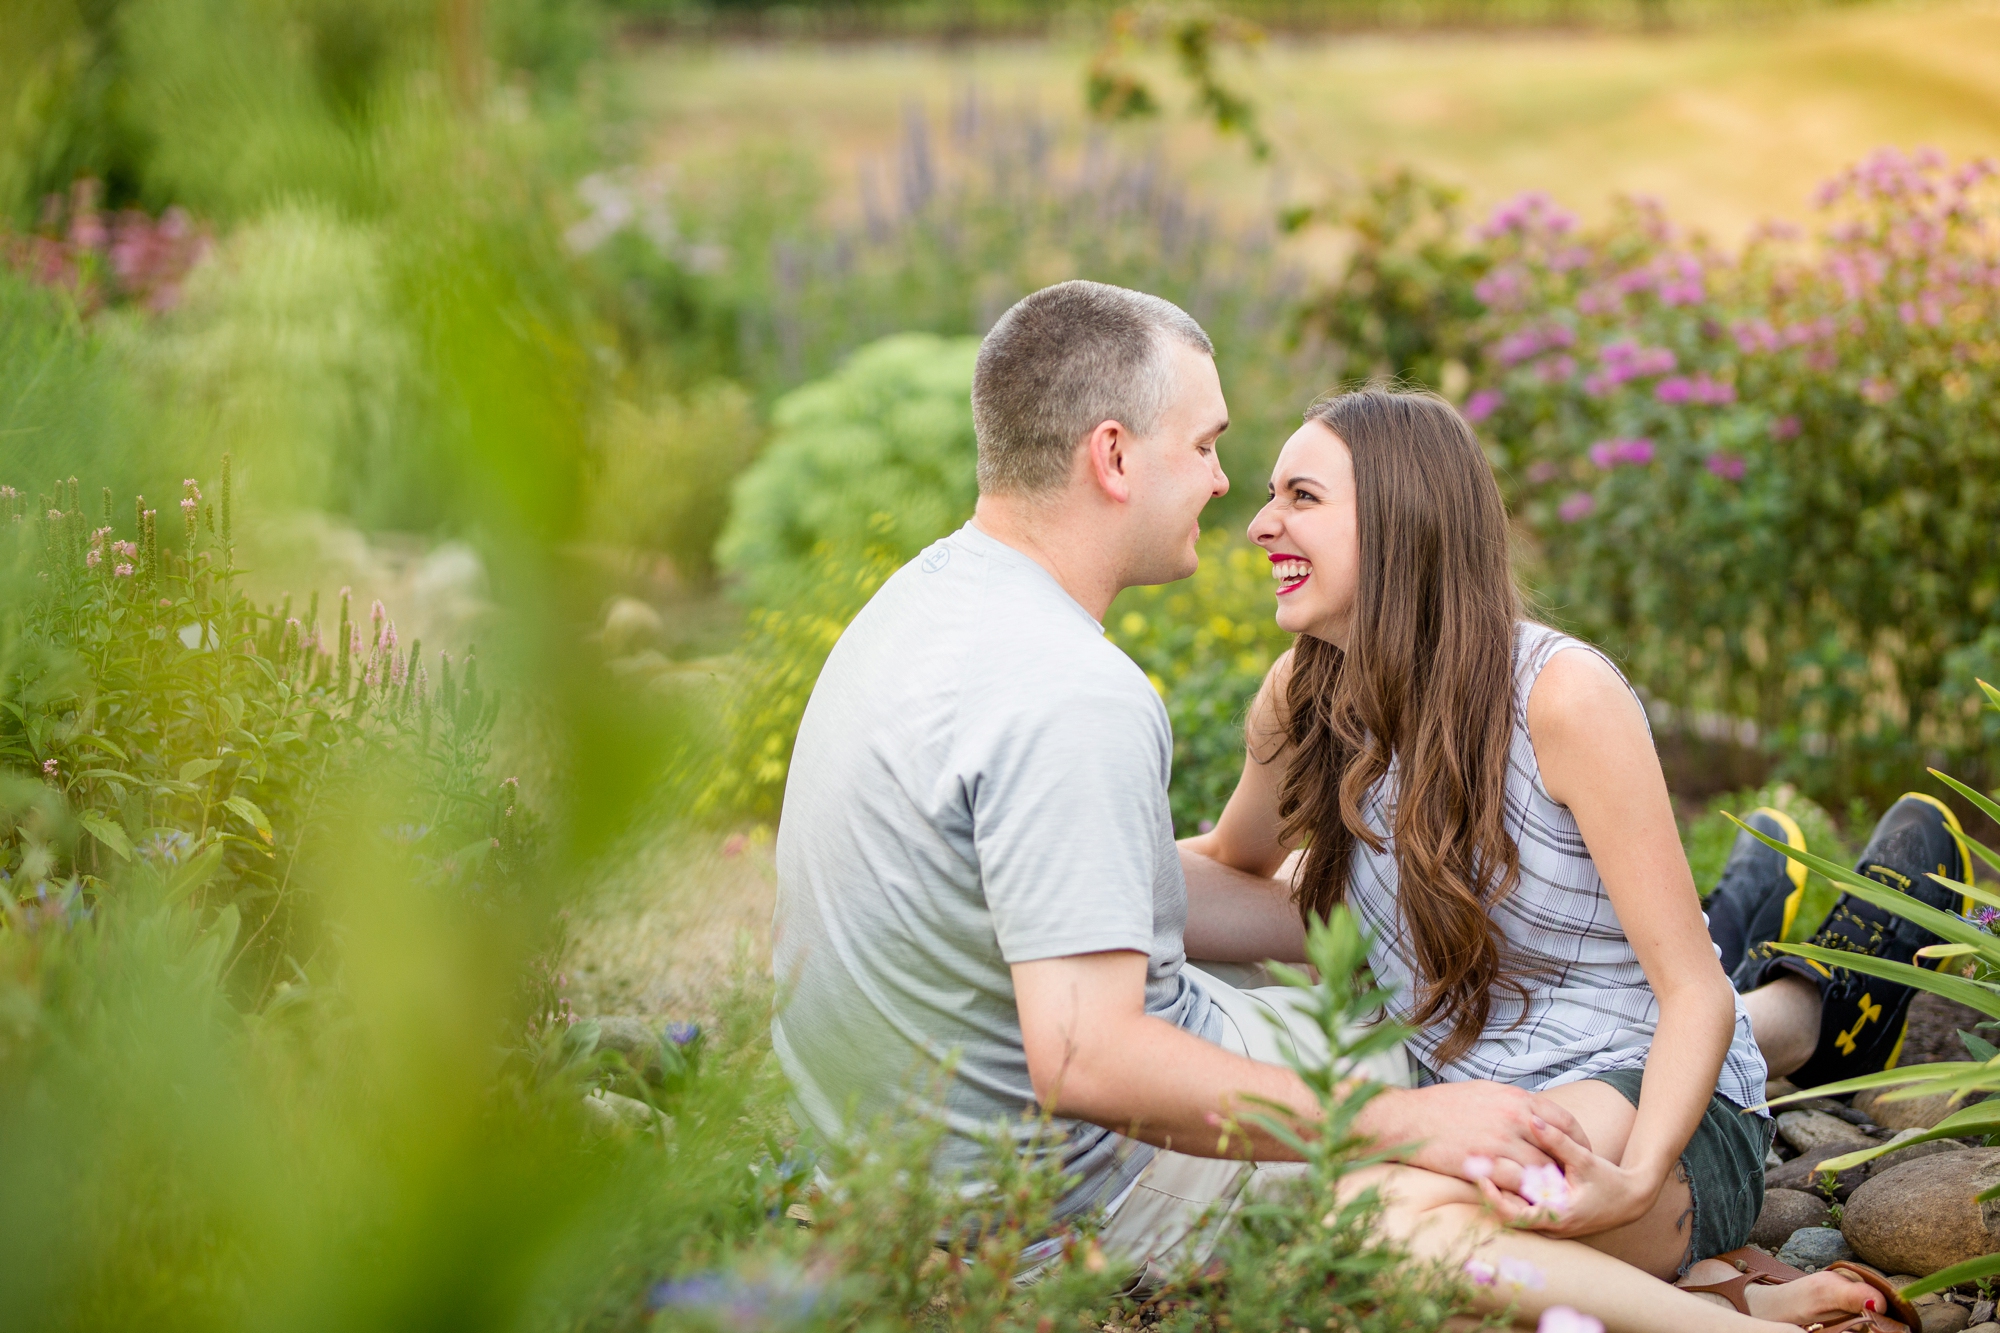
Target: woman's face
1309 529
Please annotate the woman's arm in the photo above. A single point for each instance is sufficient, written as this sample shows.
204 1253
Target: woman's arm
1597 758
1237 912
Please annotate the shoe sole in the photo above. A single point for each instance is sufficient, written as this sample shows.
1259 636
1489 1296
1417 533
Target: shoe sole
1795 838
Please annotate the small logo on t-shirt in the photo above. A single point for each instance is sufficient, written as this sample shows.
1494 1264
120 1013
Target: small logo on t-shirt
935 559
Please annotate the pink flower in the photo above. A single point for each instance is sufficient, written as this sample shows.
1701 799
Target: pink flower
1541 472
122 572
48 768
1477 1167
1520 1274
1608 454
1556 369
1674 389
1562 1319
1545 1186
92 560
1877 390
1577 507
130 550
1729 467
1480 1273
1482 404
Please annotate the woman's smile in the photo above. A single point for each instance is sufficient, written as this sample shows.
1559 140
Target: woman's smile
1291 571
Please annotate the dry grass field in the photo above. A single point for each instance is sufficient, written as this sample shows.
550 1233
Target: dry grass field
1728 125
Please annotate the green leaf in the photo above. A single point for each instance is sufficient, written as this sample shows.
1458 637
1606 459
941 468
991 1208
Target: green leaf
1972 891
1945 950
1945 925
1992 695
1979 1047
1980 1118
1969 1271
1980 997
1985 803
196 769
107 833
104 745
1884 1078
247 808
191 877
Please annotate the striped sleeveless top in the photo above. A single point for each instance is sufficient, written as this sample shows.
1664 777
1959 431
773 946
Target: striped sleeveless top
1592 1011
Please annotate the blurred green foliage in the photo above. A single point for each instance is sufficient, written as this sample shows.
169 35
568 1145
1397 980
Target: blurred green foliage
1709 836
878 456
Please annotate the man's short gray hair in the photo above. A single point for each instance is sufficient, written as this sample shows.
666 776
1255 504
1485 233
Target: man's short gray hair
1059 363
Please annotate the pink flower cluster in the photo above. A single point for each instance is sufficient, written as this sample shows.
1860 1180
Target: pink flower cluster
1608 454
1531 341
1677 389
101 257
1532 213
1729 467
1623 360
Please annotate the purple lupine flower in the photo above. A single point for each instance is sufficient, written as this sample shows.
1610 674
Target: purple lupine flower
683 1034
1729 467
1482 404
1577 507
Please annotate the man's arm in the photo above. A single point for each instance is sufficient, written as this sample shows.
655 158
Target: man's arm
1095 1054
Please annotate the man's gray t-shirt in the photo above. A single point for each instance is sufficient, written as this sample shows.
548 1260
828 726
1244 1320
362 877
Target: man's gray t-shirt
980 780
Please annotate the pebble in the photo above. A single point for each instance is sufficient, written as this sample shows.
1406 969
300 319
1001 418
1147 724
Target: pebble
1813 1248
1988 1327
1944 1318
1982 1312
609 1112
1787 1211
1809 1130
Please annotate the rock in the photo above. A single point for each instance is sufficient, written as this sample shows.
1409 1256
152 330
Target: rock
1982 1311
1810 1130
1771 1160
1896 1158
1988 1327
1935 1023
1945 1317
1813 1248
1775 1088
609 1112
1916 1113
1787 1211
630 624
1918 1215
1801 1173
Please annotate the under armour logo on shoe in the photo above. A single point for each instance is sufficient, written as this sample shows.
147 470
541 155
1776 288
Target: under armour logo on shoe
1869 1010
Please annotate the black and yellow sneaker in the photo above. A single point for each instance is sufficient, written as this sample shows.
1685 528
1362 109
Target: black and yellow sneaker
1757 898
1863 1018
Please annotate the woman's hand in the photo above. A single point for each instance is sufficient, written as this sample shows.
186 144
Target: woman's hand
1446 1125
1578 1194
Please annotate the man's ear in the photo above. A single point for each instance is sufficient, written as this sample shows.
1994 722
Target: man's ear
1107 454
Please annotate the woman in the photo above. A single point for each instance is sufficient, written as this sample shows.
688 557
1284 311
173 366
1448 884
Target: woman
1482 792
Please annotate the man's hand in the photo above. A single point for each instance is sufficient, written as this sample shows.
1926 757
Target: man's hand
1095 1054
1439 1127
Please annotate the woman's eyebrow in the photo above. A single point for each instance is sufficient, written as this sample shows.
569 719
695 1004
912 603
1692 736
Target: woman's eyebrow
1296 481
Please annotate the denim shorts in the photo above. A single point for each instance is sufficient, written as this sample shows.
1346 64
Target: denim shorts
1723 1165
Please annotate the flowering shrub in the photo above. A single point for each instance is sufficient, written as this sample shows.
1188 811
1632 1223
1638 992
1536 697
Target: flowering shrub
1765 478
158 729
879 456
126 256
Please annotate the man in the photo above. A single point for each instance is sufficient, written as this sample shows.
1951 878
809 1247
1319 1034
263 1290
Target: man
976 859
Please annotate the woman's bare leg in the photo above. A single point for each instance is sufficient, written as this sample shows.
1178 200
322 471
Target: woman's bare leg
1440 1218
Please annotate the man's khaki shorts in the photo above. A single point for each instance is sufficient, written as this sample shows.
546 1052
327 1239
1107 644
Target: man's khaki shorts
1180 1206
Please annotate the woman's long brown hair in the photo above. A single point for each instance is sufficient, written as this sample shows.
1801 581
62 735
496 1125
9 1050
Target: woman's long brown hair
1427 682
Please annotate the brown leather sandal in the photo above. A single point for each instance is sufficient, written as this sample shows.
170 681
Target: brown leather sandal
1754 1268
